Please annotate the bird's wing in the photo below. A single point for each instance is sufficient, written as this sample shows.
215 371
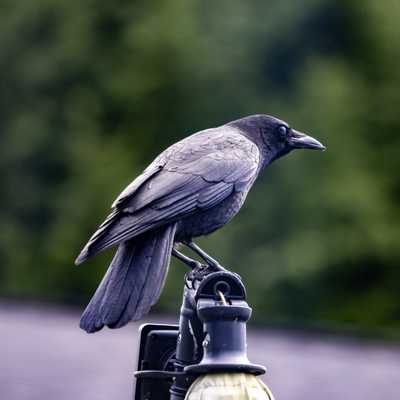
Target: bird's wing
216 156
133 187
197 174
153 169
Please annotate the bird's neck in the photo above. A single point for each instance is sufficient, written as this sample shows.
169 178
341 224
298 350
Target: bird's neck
266 151
254 133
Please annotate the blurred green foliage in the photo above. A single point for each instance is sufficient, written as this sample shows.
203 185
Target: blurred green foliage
92 91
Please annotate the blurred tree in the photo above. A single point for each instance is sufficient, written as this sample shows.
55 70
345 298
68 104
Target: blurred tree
91 91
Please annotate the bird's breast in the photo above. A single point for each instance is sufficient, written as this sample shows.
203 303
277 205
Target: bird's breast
208 221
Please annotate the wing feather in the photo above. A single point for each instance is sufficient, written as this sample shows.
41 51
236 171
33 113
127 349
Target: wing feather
190 179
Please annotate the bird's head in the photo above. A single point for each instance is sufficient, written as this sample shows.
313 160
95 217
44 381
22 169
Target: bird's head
274 136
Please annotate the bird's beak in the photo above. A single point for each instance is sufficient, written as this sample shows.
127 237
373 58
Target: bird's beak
300 140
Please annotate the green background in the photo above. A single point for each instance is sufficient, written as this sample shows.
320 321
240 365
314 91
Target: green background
91 91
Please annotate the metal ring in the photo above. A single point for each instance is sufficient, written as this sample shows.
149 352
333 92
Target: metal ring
223 287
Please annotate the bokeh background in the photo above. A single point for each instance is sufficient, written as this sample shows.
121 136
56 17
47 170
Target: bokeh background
91 91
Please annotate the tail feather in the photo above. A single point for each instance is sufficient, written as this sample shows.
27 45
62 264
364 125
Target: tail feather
133 282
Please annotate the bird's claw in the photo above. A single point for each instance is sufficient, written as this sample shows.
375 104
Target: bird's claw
197 274
201 270
217 267
220 268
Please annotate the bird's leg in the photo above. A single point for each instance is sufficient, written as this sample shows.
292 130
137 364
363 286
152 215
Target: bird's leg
193 264
208 259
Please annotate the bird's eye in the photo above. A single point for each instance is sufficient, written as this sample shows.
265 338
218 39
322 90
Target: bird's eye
283 131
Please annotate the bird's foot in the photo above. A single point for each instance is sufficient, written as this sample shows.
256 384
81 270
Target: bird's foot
197 274
199 271
195 265
220 268
216 267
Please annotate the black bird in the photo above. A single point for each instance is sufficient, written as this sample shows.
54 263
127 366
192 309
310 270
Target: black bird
191 189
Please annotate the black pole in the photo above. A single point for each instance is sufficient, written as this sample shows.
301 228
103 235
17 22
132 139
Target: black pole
185 347
211 337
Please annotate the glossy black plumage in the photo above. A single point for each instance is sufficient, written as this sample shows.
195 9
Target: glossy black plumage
191 189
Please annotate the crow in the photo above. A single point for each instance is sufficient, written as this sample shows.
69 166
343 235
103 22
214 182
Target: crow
193 188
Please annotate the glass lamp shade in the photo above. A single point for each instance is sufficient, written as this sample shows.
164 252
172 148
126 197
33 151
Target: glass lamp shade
232 386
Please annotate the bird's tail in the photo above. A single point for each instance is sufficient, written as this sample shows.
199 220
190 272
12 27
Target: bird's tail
133 282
